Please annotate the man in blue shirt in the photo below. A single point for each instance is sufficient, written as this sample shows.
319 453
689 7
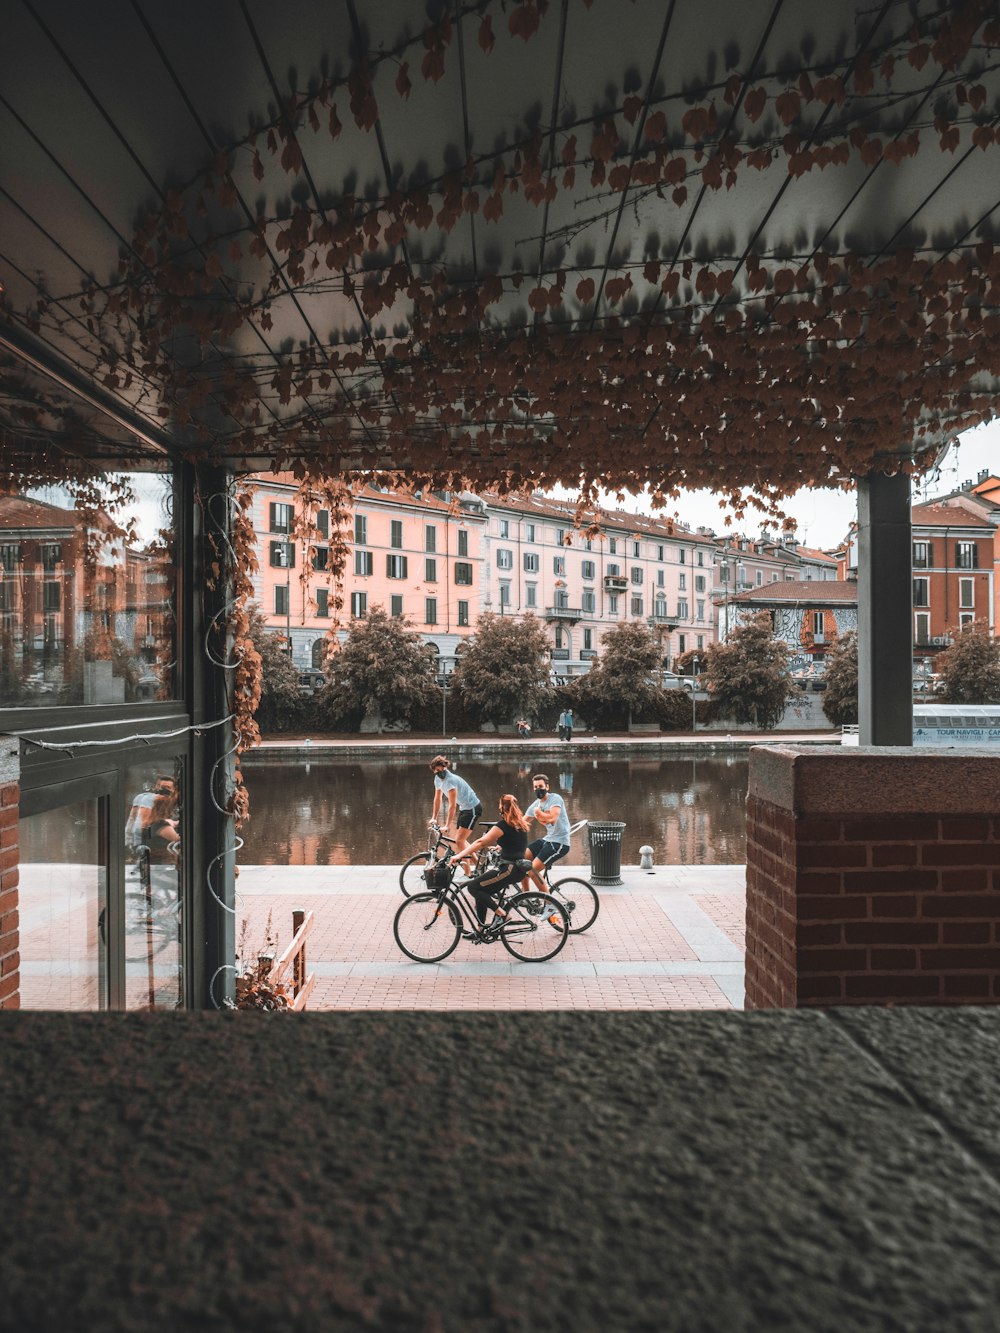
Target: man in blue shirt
549 809
462 806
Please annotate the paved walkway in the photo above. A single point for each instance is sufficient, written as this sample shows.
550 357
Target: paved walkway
670 938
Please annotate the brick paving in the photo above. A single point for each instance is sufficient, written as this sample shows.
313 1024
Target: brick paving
666 939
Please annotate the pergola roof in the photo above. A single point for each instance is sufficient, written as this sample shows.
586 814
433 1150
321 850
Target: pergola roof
744 244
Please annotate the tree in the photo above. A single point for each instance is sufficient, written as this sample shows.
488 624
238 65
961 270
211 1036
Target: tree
970 668
626 670
503 670
280 705
840 702
382 668
749 676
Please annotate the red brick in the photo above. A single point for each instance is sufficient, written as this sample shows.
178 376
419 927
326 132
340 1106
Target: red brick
12 1001
8 985
8 816
891 932
960 854
882 988
893 960
10 794
890 881
884 828
966 827
967 987
8 900
818 933
966 881
10 964
975 906
817 881
9 923
820 988
966 932
9 879
8 837
885 854
827 855
941 960
832 960
811 828
895 905
8 859
835 907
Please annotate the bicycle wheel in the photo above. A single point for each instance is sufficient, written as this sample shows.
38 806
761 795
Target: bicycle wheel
536 928
149 930
580 900
427 928
411 877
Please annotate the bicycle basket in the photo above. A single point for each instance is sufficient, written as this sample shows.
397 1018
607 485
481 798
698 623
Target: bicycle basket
439 875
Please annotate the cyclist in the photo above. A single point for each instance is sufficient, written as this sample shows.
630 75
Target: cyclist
510 833
549 809
461 800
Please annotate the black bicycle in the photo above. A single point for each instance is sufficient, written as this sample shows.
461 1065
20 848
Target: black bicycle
577 895
439 845
429 925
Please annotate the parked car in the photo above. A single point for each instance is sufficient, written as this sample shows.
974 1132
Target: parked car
310 681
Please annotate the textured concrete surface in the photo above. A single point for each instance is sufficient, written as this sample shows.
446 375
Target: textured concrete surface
580 1171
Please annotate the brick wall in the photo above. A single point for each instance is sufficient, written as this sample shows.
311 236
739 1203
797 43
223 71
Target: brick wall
10 958
873 877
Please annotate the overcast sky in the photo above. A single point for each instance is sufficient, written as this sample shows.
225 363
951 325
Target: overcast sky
824 516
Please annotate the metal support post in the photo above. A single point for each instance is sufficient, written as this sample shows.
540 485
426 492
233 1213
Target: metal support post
885 654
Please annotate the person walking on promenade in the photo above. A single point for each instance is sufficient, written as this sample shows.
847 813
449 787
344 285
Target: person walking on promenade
549 809
566 724
462 806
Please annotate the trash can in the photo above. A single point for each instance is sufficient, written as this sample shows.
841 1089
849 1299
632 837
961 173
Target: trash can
605 851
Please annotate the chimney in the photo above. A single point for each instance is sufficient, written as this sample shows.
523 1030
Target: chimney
982 476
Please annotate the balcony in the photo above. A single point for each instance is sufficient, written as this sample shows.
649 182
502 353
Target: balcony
560 654
587 654
571 613
615 583
660 620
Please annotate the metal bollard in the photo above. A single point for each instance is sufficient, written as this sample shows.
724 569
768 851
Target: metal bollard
645 858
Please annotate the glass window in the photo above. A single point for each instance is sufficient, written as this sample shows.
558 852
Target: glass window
395 566
920 592
966 555
681 643
589 600
637 574
62 902
531 563
921 555
660 607
588 640
505 594
359 605
505 558
922 627
701 641
760 577
323 523
531 594
87 596
819 625
559 564
430 571
396 533
282 555
321 558
588 569
364 563
504 527
281 600
966 593
463 574
396 605
635 549
699 611
463 613
682 556
965 618
613 571
558 643
154 963
360 530
637 606
612 546
562 599
701 557
463 541
659 552
682 609
699 583
529 532
613 603
660 578
430 611
282 517
322 602
430 538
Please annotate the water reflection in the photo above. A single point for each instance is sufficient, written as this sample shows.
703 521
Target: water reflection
373 812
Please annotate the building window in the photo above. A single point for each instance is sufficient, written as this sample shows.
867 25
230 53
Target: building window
559 564
635 550
463 613
359 605
463 574
699 583
681 644
430 538
660 579
360 530
51 596
430 611
660 607
700 641
588 569
10 554
637 575
463 541
529 532
682 557
588 640
920 592
966 618
282 555
396 533
682 609
699 608
322 602
51 555
922 630
531 594
819 627
505 558
589 601
320 558
531 563
637 606
921 555
504 594
701 557
966 593
613 603
682 582
774 576
613 571
504 527
659 553
282 517
395 566
559 637
281 600
364 563
396 606
560 536
430 571
562 599
612 546
966 556
760 577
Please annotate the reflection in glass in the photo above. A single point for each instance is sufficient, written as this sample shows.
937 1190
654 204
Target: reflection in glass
87 595
154 973
62 903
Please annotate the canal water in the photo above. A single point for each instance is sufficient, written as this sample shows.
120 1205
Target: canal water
375 812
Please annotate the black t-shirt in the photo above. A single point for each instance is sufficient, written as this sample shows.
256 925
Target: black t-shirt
513 841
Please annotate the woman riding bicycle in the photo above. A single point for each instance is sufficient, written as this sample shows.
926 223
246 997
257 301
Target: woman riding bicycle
510 835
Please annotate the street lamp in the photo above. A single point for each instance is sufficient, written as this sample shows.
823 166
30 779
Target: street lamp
695 665
447 666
